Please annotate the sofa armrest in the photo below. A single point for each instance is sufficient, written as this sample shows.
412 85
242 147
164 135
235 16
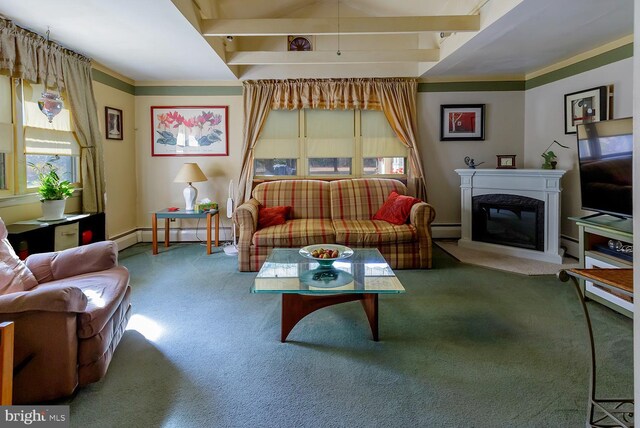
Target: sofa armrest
48 298
422 215
246 217
73 261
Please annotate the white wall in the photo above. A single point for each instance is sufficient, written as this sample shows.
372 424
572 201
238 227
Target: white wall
504 132
544 122
156 189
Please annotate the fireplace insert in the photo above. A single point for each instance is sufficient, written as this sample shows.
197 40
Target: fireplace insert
512 220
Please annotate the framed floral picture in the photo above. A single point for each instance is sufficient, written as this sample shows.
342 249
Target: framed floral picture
189 131
462 122
584 106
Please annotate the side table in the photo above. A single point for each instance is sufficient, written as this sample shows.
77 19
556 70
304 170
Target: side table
603 412
167 215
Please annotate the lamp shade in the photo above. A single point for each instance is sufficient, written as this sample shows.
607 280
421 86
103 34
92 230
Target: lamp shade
190 173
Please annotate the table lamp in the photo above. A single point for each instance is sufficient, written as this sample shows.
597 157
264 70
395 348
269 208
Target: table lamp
190 173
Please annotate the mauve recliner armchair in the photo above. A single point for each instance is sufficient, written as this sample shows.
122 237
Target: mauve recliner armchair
70 310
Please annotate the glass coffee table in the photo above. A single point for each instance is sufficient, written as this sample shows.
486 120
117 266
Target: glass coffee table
306 286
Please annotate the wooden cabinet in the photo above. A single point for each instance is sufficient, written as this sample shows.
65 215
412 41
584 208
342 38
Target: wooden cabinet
599 237
33 236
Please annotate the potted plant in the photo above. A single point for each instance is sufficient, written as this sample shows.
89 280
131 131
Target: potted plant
550 161
53 191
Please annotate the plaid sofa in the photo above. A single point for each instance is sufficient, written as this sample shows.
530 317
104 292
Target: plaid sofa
337 212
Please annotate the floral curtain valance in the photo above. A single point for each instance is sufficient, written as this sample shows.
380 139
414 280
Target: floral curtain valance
23 54
396 97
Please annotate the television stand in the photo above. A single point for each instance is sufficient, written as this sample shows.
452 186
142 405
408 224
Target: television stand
595 232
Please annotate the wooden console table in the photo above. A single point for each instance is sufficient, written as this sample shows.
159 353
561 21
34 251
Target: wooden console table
167 215
603 411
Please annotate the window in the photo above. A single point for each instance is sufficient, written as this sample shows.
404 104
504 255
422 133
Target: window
279 146
6 134
46 142
328 143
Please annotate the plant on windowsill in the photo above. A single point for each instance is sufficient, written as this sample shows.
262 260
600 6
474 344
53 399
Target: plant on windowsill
53 191
550 157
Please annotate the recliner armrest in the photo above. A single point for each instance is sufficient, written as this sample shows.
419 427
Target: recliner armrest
48 298
94 257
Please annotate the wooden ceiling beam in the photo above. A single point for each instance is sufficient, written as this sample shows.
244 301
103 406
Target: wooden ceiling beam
319 26
330 57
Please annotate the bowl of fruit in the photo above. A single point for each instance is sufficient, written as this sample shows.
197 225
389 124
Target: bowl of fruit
326 254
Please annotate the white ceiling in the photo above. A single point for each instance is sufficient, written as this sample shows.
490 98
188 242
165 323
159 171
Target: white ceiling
151 40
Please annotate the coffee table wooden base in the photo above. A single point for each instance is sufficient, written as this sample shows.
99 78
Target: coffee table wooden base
297 306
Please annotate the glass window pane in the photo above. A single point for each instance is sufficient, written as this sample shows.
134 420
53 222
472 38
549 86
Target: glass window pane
330 166
384 166
67 168
275 167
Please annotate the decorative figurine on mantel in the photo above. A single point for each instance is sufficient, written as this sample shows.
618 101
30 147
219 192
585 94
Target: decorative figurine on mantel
550 157
471 163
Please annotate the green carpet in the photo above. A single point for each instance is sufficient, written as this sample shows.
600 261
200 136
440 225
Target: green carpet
464 347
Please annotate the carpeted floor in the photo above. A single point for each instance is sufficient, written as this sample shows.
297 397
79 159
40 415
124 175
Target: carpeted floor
464 347
507 263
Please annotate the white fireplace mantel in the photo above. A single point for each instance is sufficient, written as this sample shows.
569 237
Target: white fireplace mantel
541 184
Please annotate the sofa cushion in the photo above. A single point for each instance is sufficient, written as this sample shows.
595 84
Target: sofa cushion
14 274
307 198
272 216
296 233
363 233
396 208
361 198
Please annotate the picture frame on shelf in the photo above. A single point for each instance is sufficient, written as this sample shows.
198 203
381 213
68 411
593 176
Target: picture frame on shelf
113 123
189 131
590 105
462 122
506 161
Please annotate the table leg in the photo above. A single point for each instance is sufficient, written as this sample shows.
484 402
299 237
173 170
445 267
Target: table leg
154 233
166 232
618 410
370 305
218 228
297 306
208 233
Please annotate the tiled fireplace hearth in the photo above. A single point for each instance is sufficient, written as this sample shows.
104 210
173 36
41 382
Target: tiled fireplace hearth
512 211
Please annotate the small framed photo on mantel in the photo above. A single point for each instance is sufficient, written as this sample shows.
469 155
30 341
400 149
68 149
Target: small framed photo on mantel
462 122
113 123
506 161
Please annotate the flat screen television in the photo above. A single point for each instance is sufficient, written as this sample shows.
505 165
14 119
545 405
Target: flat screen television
605 156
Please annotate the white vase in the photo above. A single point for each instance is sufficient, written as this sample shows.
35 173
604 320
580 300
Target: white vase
53 210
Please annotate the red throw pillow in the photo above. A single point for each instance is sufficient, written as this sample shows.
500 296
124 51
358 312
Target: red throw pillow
396 208
272 216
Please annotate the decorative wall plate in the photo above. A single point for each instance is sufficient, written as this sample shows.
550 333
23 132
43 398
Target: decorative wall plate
299 43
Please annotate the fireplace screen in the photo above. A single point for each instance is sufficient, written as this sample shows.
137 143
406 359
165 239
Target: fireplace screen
516 221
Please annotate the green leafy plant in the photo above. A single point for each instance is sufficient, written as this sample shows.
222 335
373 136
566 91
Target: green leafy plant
51 187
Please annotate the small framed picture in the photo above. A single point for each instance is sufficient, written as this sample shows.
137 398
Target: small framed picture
506 161
585 106
113 123
462 122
